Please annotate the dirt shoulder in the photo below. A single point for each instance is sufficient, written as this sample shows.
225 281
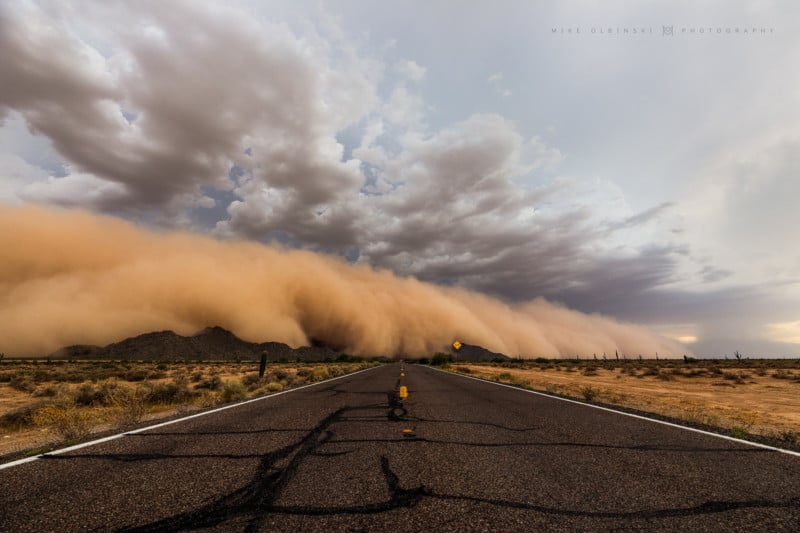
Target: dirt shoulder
743 398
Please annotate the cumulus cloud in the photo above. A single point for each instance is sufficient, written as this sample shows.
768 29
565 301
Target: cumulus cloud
184 91
496 82
410 70
165 109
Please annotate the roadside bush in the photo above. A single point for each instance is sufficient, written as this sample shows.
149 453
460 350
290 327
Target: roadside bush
70 422
85 394
250 380
273 386
167 393
233 391
212 383
589 393
320 373
441 359
130 406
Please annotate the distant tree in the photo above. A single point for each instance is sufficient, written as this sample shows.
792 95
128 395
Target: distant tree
441 359
737 355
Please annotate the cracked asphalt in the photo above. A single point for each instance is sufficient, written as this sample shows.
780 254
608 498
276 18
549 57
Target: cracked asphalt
459 455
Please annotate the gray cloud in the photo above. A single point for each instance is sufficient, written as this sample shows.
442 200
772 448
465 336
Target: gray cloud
207 116
186 90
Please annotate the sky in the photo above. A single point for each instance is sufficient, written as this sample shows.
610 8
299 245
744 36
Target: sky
635 159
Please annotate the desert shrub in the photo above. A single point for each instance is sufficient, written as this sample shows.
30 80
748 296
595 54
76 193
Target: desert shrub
553 388
48 392
589 393
139 374
590 371
233 391
273 386
22 383
131 410
304 372
504 376
196 377
250 380
70 422
19 418
85 394
167 393
521 382
441 359
212 383
738 432
278 375
296 381
730 376
320 373
463 369
782 374
664 376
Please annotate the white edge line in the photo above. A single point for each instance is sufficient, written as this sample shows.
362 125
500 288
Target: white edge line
175 421
640 417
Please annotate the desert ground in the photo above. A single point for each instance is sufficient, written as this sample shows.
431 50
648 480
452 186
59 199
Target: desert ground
44 404
744 398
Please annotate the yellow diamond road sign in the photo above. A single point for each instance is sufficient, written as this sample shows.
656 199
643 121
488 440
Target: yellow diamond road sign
457 345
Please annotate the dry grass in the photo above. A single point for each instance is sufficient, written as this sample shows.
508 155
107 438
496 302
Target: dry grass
43 403
760 397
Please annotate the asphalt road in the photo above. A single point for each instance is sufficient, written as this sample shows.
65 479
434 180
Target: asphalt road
334 457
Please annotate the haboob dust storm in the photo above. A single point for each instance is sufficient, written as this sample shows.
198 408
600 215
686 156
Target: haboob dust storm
71 277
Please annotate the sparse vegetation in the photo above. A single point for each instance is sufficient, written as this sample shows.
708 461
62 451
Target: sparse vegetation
745 397
590 393
441 359
69 400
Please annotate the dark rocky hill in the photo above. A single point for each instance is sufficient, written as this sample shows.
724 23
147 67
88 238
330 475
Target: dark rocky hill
470 352
220 344
210 343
